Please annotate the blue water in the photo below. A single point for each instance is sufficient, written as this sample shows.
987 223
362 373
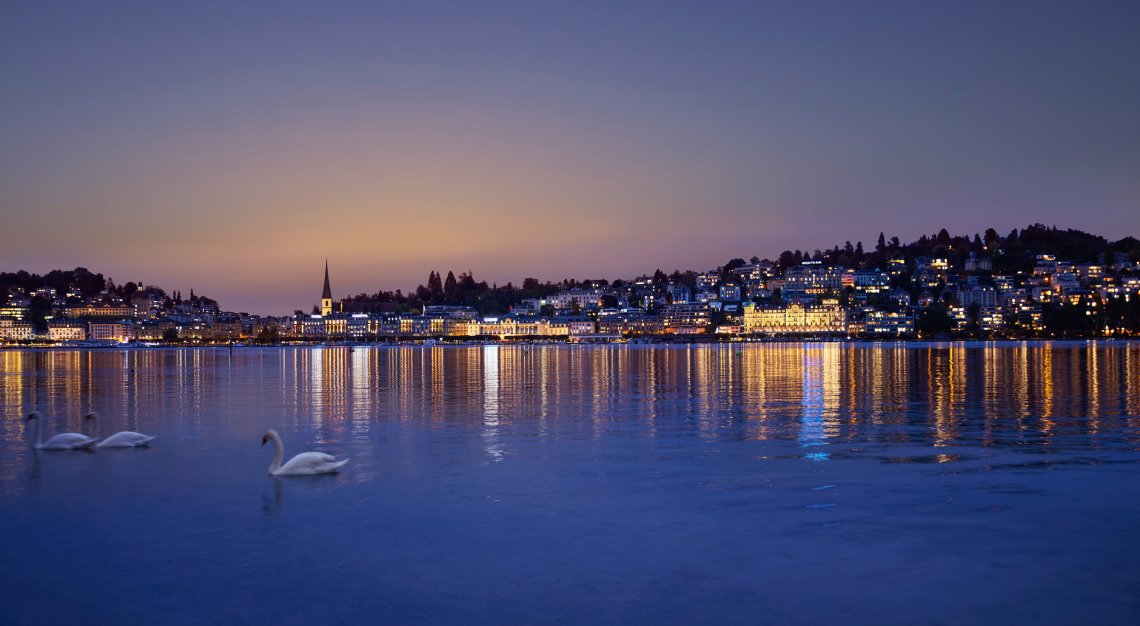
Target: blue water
781 483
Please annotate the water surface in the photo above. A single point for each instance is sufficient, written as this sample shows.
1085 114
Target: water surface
778 483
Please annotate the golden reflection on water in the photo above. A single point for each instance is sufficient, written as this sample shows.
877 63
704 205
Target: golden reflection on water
815 394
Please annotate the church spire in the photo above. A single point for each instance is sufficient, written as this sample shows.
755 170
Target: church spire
327 293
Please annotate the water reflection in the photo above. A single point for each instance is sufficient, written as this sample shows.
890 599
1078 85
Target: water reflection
1031 397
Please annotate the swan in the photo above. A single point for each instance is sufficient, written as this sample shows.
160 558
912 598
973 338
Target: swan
304 464
62 441
124 439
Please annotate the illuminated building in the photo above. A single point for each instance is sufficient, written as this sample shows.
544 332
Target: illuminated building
979 295
14 330
730 292
707 281
67 330
811 278
796 318
108 331
884 324
103 311
686 319
13 311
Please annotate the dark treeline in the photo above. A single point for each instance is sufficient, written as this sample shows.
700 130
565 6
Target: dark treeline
1010 254
463 290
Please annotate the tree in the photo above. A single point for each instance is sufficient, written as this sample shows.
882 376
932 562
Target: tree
973 312
882 244
435 286
935 320
170 334
268 335
730 266
450 288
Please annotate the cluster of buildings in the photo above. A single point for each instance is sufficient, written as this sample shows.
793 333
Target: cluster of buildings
108 318
754 300
759 300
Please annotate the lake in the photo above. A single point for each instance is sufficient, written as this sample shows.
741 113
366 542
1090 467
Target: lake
987 483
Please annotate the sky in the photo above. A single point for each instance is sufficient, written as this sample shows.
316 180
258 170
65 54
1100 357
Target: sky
233 147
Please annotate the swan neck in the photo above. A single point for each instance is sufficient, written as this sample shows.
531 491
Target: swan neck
95 420
278 453
36 435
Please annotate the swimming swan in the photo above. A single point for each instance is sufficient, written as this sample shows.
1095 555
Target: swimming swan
304 464
125 439
62 441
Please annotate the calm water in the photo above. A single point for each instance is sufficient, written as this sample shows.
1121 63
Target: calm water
791 484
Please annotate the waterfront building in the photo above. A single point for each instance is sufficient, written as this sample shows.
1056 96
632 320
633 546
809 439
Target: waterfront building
686 319
795 318
991 320
630 323
16 330
67 330
226 327
108 331
889 324
309 326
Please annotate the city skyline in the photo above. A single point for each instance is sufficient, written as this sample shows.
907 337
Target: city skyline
231 149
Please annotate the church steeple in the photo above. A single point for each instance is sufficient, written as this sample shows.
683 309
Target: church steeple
326 295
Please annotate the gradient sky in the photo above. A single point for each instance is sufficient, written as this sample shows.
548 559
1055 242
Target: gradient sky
231 147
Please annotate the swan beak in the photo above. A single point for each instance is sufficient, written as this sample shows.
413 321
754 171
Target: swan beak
264 439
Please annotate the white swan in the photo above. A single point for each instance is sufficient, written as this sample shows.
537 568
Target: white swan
304 464
124 439
62 441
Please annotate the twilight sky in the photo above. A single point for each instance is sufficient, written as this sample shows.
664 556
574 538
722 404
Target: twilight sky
230 147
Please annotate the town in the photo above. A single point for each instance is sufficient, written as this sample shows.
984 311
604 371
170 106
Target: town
1040 282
